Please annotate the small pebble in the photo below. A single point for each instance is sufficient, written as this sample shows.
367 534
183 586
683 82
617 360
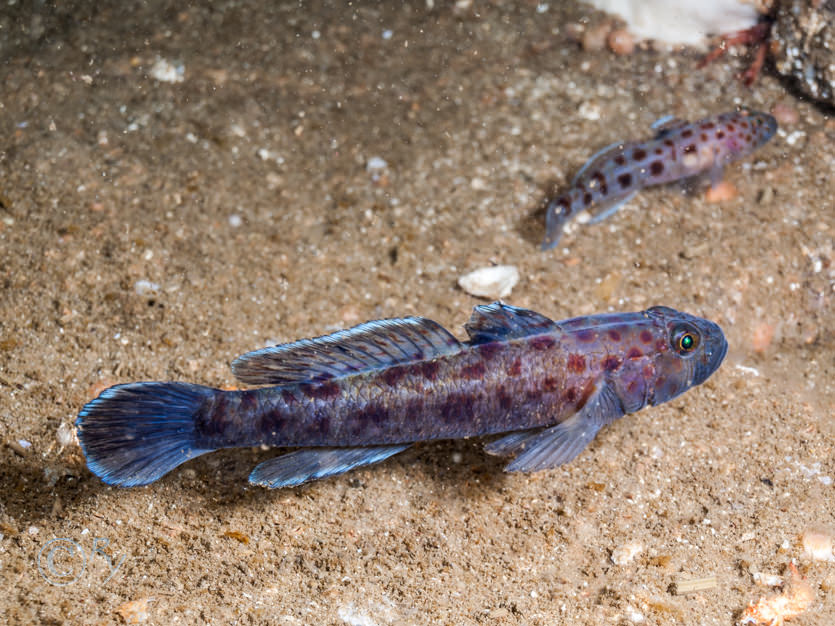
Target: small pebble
135 611
167 72
376 163
763 334
235 220
626 553
785 114
490 282
621 42
817 546
722 192
146 288
594 39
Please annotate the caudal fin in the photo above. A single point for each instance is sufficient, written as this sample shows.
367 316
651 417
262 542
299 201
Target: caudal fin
136 433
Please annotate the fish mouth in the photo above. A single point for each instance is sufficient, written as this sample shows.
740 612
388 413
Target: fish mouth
715 348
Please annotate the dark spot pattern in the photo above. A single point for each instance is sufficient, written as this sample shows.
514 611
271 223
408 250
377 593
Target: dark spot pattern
707 125
686 133
703 136
505 399
576 363
429 369
611 363
689 148
625 180
656 168
587 198
543 342
550 384
473 372
515 368
646 336
659 151
488 351
620 160
614 335
634 353
720 134
320 391
586 335
393 375
731 128
669 143
639 154
570 395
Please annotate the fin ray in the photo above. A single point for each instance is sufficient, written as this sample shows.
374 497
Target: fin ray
545 448
369 346
499 322
605 208
134 434
301 466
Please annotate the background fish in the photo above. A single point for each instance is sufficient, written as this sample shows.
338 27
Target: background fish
679 150
358 396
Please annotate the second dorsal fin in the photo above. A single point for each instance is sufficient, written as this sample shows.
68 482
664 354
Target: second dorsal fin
498 321
369 346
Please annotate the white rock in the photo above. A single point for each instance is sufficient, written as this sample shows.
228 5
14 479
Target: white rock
146 288
626 553
490 282
166 72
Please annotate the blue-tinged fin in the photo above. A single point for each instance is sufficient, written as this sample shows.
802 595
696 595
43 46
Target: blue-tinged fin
302 466
666 124
502 322
134 434
604 208
544 448
369 346
603 153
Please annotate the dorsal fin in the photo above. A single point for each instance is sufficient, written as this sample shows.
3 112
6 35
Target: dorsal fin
603 153
497 322
369 346
667 124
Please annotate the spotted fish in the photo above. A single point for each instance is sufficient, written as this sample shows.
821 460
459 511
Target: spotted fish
679 150
359 396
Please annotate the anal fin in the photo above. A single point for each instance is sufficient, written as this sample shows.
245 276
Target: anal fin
302 466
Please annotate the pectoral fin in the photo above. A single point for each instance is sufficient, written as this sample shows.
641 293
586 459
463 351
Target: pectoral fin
302 466
605 208
539 449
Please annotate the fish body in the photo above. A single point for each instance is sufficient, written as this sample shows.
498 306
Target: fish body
361 395
679 150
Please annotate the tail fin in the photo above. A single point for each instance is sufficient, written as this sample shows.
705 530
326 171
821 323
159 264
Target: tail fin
136 433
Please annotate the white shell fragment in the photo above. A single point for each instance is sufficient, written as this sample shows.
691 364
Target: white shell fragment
167 72
817 546
626 553
490 282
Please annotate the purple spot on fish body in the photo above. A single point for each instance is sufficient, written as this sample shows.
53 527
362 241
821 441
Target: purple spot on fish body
656 168
586 335
576 363
550 384
611 363
429 369
320 391
639 154
659 151
646 336
703 137
720 134
543 342
515 368
488 351
614 335
505 399
690 148
587 198
473 372
687 133
393 375
707 125
634 353
570 395
620 160
669 143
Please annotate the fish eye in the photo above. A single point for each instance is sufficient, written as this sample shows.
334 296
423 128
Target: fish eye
685 339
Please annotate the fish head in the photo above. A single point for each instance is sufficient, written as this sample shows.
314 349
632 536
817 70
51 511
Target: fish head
763 126
689 349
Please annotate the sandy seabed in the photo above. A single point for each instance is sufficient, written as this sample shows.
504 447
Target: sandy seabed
294 170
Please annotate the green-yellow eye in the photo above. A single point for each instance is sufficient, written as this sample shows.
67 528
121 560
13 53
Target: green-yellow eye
685 339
